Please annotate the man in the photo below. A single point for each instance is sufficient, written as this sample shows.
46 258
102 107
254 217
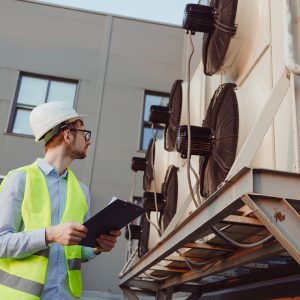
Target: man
43 207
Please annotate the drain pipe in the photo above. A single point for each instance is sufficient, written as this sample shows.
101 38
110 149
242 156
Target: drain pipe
288 38
293 67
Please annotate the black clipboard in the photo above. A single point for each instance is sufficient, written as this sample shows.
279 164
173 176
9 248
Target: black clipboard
115 215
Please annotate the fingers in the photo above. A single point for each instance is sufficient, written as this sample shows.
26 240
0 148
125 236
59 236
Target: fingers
69 233
107 242
115 232
78 227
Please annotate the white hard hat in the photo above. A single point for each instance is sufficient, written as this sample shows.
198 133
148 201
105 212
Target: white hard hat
46 116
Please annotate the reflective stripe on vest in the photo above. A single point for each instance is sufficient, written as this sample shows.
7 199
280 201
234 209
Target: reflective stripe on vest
21 284
23 279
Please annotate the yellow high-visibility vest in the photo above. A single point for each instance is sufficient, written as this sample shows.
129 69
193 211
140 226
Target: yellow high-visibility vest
24 279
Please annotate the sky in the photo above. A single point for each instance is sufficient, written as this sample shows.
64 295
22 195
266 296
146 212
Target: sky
164 11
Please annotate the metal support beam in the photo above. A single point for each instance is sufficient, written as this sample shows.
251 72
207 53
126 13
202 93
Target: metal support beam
169 293
237 259
160 295
189 288
129 293
197 225
280 218
144 285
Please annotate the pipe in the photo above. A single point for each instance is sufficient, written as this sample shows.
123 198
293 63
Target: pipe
288 38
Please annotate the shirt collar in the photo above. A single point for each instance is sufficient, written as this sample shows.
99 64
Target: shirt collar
47 168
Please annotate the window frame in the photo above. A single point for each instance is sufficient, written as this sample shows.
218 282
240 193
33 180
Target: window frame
16 106
147 124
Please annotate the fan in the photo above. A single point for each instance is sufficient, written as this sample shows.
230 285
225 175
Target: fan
223 119
216 43
170 193
149 160
144 238
199 18
132 232
174 106
159 114
138 164
201 141
149 199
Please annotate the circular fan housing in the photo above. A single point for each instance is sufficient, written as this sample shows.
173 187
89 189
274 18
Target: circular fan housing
174 106
170 192
145 232
216 43
149 163
223 119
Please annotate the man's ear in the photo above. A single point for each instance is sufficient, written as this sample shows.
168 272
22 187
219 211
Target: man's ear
68 137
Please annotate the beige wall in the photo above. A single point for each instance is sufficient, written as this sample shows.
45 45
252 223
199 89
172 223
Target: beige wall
115 59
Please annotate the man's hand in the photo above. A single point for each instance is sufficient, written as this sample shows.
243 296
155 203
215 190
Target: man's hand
66 234
107 242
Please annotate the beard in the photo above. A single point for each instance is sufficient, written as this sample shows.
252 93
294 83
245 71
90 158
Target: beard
75 153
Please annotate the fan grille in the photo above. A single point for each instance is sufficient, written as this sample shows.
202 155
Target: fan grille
223 119
170 192
216 43
149 162
174 106
144 239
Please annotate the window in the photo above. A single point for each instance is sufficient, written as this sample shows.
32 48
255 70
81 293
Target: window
33 90
152 98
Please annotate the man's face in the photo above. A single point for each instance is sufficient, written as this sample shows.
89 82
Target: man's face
78 148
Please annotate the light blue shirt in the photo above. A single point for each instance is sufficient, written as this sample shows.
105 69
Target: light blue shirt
17 244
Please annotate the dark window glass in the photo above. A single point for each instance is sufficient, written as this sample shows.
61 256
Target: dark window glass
152 98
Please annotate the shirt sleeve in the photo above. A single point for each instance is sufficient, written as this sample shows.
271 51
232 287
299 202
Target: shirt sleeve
14 243
86 252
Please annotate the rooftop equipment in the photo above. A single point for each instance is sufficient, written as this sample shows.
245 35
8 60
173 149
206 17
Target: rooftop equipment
217 22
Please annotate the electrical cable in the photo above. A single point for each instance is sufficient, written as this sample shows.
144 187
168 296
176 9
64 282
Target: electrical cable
154 181
192 262
133 187
157 278
241 245
129 247
155 226
197 203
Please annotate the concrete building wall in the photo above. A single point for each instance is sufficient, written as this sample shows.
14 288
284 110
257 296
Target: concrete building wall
115 59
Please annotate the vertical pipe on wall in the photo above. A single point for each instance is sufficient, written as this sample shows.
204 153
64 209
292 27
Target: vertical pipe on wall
98 97
289 50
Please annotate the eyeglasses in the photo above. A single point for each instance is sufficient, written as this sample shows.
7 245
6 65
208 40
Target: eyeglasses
87 133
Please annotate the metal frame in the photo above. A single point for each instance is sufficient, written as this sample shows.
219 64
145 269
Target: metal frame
264 192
